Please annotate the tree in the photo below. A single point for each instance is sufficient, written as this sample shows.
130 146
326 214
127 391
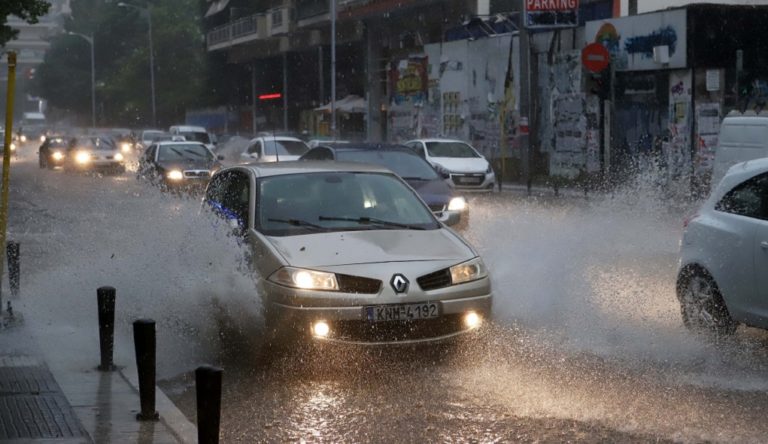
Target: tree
28 10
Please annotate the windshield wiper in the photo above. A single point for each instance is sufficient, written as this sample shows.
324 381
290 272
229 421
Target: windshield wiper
297 223
372 220
195 153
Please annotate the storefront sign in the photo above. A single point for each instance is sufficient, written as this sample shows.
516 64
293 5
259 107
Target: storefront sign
542 14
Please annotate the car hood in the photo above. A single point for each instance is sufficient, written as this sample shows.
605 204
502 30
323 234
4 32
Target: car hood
462 164
370 247
433 192
187 165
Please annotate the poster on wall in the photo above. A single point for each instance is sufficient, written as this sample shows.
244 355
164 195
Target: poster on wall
408 80
569 157
708 125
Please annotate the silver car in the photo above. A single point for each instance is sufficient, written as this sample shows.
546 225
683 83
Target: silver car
348 252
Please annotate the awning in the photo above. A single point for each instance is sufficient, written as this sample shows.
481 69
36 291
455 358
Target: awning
350 104
216 7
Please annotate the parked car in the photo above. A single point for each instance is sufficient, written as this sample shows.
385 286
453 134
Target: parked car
94 153
194 133
178 165
723 275
2 142
273 149
468 168
348 252
418 173
53 151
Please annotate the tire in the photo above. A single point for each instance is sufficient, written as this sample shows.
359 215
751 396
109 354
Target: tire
702 306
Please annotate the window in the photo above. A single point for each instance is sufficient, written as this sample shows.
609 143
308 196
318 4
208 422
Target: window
255 149
318 154
228 195
748 199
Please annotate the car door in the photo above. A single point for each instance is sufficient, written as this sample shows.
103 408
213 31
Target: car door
761 252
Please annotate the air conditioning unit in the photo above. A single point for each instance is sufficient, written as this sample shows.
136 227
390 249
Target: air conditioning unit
279 21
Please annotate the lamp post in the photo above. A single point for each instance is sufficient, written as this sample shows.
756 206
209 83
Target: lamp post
151 56
333 69
89 39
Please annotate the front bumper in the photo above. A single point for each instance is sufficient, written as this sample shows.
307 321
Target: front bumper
473 181
346 314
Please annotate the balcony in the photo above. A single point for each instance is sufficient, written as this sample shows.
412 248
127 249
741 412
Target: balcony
252 27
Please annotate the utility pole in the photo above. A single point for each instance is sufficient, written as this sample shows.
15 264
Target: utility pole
525 99
333 69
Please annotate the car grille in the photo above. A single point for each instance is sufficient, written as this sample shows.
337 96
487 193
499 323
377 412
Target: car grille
433 281
397 330
467 179
357 284
197 173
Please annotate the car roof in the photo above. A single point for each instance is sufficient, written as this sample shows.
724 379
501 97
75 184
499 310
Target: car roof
178 142
436 139
190 128
270 137
308 166
739 173
365 146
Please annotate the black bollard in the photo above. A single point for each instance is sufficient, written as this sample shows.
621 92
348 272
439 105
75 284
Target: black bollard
106 300
144 340
208 387
12 253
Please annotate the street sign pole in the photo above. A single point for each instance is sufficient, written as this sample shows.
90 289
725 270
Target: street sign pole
6 167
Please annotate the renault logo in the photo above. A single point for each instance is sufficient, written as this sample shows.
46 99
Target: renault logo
399 283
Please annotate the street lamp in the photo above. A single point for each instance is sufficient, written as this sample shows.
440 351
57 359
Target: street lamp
89 39
151 55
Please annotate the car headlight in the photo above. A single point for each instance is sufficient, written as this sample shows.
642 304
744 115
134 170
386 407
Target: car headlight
457 204
125 147
13 146
82 157
174 175
23 138
468 271
305 279
57 155
119 157
42 139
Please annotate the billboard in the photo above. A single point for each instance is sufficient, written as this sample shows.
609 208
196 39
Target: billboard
545 14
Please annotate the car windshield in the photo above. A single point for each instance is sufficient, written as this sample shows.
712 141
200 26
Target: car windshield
284 147
151 135
404 164
94 143
450 149
302 203
186 151
196 136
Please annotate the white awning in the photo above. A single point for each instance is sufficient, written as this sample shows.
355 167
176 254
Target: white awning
350 104
216 7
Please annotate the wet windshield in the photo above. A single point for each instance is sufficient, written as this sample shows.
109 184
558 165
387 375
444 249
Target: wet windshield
404 164
197 137
450 149
191 151
295 204
284 147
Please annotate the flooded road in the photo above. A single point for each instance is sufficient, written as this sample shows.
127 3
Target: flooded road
586 343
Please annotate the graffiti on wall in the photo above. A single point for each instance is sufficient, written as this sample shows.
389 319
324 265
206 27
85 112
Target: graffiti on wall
577 142
408 80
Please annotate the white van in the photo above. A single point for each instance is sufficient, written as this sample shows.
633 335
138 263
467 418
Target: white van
743 136
194 133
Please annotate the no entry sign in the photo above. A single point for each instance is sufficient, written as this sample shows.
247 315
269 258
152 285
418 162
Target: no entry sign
595 57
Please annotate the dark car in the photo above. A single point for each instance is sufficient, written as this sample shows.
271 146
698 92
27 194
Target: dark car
420 175
178 165
53 151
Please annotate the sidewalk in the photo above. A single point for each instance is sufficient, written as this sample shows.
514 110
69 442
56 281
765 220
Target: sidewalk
49 395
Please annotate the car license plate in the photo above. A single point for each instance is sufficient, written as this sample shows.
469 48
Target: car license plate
402 312
469 179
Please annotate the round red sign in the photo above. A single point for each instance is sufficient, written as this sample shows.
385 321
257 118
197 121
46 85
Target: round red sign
595 57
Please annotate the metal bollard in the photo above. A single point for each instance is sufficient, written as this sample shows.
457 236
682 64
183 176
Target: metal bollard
106 300
144 340
208 387
12 251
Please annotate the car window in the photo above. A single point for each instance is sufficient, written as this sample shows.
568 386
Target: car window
150 155
195 136
254 148
451 149
318 154
188 151
403 163
748 199
228 196
297 203
285 147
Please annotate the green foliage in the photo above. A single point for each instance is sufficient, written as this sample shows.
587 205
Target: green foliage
28 10
121 45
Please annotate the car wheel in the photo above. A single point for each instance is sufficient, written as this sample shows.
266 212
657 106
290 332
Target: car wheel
702 305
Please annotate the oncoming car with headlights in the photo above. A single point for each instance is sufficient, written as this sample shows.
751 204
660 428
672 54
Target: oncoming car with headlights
349 252
94 153
178 165
53 151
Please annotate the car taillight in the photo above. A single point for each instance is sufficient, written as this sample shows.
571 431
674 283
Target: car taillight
689 219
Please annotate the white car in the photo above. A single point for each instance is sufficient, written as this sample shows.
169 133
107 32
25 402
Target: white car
723 275
194 134
273 149
348 252
468 168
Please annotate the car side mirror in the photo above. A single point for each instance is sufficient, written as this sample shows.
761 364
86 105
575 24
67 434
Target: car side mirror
450 218
220 157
